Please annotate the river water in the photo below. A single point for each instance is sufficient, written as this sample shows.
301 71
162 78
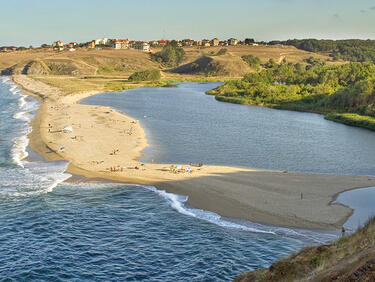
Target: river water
183 125
53 230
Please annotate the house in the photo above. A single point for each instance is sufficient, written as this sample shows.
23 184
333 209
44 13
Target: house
223 43
91 44
71 45
215 42
141 45
120 43
232 41
206 42
199 43
188 42
154 43
8 48
102 41
58 45
163 42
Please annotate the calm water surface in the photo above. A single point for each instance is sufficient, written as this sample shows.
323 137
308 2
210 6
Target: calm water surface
183 125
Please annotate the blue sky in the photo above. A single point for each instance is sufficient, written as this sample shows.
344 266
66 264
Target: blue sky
33 22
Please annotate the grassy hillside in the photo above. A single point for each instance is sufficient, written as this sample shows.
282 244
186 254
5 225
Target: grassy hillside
125 62
350 258
226 65
109 69
78 63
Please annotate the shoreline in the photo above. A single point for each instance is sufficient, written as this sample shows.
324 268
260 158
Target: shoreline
269 197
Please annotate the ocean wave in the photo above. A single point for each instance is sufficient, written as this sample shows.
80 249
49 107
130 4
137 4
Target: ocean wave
31 177
177 202
18 152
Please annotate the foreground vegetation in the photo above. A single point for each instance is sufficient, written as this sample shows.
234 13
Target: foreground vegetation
350 258
345 93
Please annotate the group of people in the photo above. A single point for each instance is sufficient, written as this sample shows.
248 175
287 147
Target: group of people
179 169
115 151
122 168
116 168
129 131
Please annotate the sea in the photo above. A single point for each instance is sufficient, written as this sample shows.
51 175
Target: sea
53 230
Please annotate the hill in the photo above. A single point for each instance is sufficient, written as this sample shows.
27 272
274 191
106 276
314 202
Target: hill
125 62
78 63
350 258
109 69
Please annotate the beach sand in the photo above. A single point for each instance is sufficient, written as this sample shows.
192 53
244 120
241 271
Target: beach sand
103 138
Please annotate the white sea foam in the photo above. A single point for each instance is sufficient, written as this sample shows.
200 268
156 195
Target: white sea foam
177 202
31 177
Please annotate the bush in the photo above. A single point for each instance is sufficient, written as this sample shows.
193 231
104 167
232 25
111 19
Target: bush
316 262
252 61
170 55
147 75
221 52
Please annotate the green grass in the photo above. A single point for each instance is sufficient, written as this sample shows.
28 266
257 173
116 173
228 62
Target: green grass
353 119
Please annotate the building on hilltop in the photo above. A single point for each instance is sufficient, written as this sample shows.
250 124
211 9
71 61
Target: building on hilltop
58 45
120 43
206 42
71 45
141 45
91 44
102 41
154 43
188 42
163 42
232 41
223 43
215 42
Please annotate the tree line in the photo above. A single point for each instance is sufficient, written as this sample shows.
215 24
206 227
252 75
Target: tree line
314 87
354 50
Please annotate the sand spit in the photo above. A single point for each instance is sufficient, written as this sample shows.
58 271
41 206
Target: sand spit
100 142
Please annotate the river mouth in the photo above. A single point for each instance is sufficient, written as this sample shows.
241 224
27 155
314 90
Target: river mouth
184 125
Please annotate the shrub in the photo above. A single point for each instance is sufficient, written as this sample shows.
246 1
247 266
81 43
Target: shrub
252 61
221 52
316 261
170 55
146 75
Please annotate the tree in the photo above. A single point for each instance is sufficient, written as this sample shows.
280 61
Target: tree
170 55
249 41
252 61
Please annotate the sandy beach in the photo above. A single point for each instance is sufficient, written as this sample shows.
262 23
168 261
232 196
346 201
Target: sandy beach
101 142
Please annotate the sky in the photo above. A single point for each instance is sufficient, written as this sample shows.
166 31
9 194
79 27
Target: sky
34 22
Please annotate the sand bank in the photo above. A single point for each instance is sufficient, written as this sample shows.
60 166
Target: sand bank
106 144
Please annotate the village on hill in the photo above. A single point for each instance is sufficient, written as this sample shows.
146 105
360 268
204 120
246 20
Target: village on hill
134 44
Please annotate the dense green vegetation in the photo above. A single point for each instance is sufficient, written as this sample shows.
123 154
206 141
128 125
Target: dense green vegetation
252 61
354 50
170 55
345 92
146 75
